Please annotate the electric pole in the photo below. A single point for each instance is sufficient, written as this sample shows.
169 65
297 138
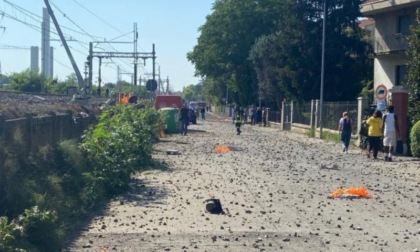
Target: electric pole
63 40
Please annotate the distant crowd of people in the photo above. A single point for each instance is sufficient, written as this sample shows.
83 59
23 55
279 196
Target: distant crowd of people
252 114
382 129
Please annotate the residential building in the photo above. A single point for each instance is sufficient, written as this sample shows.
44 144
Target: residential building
392 21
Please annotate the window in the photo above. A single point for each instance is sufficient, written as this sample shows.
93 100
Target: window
400 72
404 24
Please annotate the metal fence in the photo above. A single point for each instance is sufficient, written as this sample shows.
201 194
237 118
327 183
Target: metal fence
302 113
333 111
274 116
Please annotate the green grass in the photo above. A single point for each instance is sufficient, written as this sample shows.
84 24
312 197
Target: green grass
310 132
331 137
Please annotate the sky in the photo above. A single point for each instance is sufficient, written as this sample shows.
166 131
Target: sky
171 25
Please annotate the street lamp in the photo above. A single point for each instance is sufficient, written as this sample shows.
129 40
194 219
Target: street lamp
321 99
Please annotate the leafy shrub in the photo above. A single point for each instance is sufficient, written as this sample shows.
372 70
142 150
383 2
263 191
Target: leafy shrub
40 227
15 184
9 234
118 145
59 186
415 140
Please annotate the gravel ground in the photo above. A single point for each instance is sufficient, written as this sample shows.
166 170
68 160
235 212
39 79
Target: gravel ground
17 105
274 188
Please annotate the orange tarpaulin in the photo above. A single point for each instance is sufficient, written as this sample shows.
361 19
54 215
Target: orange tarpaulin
221 149
355 191
123 98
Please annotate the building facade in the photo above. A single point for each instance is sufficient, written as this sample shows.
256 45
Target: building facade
393 19
392 25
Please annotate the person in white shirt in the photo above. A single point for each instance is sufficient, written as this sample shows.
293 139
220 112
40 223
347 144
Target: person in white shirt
390 132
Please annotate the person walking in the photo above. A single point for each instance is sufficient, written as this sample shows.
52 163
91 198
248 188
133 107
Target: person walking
234 111
390 132
238 122
203 113
264 116
252 114
245 115
258 116
344 129
184 117
374 133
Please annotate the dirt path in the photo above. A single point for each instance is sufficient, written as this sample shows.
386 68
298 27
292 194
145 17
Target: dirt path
274 188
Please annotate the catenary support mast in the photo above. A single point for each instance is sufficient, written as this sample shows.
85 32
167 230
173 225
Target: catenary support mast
63 40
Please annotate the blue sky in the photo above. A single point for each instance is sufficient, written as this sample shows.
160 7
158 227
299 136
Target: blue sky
172 25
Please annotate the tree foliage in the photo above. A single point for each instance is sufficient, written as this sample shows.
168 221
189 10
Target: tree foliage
26 81
288 62
275 47
192 92
225 41
413 78
30 81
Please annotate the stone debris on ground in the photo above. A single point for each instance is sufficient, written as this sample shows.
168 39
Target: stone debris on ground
275 192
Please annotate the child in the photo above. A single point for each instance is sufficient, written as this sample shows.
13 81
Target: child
238 122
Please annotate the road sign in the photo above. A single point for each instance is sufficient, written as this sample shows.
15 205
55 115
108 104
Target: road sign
381 92
151 85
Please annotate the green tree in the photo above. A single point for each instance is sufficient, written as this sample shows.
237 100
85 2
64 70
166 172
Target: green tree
212 92
123 87
288 62
225 41
413 78
55 86
26 81
3 80
192 92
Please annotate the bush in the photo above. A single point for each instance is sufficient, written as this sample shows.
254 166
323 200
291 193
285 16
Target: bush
40 227
415 140
118 145
47 193
9 233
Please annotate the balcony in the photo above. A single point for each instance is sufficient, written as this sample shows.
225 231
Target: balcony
389 44
374 7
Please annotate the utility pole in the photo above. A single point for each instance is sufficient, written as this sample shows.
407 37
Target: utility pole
99 77
89 58
107 55
63 40
154 61
321 99
135 54
160 88
1 79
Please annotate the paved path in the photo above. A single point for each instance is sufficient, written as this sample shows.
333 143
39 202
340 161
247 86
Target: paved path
274 188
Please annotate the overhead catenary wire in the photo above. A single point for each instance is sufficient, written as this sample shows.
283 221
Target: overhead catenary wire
93 14
108 24
35 22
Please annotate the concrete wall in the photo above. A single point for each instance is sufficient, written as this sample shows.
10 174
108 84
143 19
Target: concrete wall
385 68
35 132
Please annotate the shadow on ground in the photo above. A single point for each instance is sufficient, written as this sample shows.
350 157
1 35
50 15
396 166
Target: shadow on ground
140 192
